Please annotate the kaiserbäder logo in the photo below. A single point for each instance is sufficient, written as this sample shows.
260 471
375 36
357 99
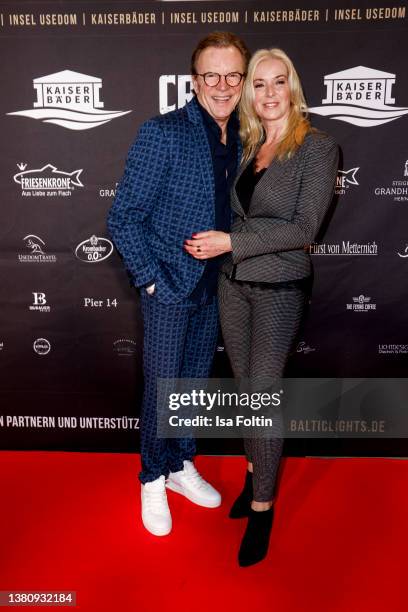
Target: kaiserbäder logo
361 96
71 100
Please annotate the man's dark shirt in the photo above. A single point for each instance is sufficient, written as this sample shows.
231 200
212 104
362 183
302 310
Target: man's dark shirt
225 164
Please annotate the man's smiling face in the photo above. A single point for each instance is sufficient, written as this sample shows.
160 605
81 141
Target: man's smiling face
218 101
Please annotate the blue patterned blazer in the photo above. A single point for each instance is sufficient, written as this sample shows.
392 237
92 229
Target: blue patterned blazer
165 195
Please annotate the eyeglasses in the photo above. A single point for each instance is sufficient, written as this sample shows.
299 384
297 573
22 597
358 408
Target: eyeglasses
213 78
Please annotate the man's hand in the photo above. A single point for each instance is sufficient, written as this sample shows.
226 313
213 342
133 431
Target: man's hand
205 245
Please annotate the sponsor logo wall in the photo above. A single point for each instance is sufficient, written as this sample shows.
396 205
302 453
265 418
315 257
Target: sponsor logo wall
71 331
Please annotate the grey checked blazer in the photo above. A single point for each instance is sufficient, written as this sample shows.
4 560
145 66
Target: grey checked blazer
286 210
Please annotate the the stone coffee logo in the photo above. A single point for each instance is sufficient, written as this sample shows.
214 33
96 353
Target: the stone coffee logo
47 181
361 96
361 303
71 100
94 250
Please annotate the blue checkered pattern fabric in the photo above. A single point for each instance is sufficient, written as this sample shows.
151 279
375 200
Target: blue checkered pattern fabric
179 342
165 195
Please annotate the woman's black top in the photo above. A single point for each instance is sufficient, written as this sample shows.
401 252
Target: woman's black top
247 183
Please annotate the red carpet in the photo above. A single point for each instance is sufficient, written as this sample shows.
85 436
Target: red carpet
70 521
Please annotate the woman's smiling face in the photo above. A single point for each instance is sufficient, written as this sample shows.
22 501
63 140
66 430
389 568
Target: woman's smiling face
271 91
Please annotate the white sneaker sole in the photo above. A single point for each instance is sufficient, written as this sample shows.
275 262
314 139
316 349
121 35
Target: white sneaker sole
173 486
157 531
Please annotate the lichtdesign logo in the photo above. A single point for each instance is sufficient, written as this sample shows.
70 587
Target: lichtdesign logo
125 347
360 96
393 349
405 253
94 250
37 253
71 100
361 303
42 346
46 179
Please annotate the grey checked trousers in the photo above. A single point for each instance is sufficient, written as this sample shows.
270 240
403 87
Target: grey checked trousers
259 325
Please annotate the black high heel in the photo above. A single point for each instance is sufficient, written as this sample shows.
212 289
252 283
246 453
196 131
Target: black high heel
254 545
242 505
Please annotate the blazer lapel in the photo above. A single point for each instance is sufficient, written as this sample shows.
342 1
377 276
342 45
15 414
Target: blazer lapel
235 201
202 152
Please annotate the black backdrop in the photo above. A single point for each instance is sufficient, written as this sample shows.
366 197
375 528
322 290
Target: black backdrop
77 79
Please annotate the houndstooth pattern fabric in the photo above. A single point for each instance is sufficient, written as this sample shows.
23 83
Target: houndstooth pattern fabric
165 195
287 208
259 325
179 342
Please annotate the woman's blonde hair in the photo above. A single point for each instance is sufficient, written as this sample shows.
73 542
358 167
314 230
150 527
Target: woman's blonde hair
298 125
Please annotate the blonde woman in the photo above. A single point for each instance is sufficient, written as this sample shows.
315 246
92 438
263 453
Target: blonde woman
280 197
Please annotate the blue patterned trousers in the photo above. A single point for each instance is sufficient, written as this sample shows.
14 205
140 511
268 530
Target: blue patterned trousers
179 342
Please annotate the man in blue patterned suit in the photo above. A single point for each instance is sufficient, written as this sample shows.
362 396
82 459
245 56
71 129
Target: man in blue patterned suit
177 179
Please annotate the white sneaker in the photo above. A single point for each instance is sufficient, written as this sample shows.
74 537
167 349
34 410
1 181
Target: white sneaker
156 515
191 484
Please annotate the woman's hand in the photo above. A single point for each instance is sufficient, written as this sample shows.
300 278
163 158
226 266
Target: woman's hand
205 245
